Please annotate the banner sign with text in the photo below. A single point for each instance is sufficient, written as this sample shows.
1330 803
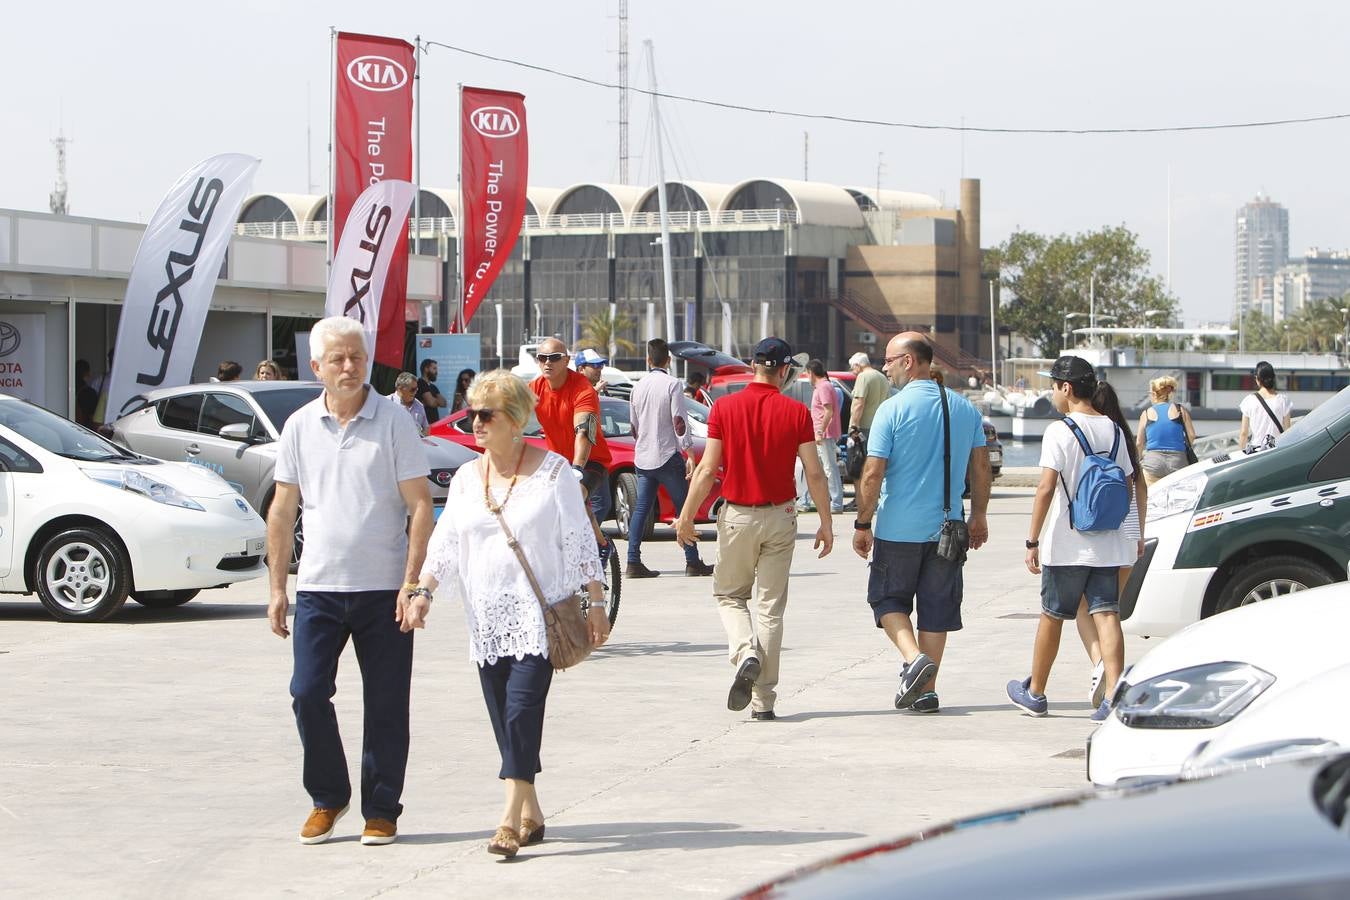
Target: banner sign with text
359 278
494 173
22 347
173 277
373 142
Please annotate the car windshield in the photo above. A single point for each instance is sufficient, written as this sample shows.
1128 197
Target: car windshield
58 435
614 415
1317 420
280 405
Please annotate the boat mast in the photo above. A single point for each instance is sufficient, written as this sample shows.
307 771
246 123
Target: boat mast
668 278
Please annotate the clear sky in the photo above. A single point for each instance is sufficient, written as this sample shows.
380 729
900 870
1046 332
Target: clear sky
148 88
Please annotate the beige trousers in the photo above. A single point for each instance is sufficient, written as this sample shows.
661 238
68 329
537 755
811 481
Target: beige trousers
755 544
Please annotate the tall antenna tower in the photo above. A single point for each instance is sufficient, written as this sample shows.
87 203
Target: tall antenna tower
59 200
623 91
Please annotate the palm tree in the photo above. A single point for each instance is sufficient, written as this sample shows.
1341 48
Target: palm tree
603 330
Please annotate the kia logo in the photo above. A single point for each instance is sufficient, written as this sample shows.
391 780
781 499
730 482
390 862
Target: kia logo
443 477
376 73
9 339
494 121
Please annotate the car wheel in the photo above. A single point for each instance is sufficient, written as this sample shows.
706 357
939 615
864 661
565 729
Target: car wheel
1268 578
163 599
625 504
82 575
298 544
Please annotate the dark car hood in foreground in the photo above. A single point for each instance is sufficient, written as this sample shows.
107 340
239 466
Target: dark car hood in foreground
1250 834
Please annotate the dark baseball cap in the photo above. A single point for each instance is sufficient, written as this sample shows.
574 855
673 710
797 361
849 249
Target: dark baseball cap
1073 369
772 352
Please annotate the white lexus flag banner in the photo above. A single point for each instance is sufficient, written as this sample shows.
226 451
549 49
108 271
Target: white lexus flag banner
173 276
369 237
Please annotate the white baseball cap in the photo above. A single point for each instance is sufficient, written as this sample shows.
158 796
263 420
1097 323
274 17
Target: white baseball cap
589 357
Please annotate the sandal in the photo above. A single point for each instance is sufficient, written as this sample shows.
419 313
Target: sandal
531 832
504 843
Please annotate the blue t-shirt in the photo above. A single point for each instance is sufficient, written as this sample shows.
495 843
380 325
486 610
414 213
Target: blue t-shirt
907 433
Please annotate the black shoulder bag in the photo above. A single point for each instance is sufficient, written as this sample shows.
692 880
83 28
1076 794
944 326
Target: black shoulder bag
1279 429
954 539
1191 458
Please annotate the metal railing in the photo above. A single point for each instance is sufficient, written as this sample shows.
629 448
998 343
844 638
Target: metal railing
433 227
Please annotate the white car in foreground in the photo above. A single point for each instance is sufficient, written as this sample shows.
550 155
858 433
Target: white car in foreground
1308 719
1196 685
85 523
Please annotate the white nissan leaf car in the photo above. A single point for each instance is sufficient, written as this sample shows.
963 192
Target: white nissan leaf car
85 524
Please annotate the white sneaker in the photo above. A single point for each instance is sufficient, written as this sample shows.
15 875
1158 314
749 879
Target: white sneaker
1098 690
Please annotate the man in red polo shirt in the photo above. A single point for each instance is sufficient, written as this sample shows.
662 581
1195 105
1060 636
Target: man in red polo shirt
758 435
568 410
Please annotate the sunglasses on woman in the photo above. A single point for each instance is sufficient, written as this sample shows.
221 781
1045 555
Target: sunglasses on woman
482 415
550 357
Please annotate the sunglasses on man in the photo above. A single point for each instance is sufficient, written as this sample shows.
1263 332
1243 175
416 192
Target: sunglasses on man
550 357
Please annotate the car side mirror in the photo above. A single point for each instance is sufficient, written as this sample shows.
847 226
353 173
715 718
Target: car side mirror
239 431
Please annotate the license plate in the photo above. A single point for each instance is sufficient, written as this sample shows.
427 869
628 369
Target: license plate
255 547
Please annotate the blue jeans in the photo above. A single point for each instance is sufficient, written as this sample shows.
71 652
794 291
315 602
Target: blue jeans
515 691
323 623
599 498
1063 587
671 477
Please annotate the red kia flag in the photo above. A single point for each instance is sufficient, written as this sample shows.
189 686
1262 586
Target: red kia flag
373 141
494 172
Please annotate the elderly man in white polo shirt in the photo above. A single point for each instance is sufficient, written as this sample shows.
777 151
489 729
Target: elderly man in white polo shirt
356 463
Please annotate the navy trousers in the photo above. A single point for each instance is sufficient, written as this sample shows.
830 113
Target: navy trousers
515 691
323 623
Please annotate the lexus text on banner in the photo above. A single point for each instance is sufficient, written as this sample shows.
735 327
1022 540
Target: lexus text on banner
173 276
373 131
371 240
494 164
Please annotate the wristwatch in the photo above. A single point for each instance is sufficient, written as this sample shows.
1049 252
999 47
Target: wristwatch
1032 545
862 526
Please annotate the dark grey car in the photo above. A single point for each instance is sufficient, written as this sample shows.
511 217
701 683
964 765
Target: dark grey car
1275 832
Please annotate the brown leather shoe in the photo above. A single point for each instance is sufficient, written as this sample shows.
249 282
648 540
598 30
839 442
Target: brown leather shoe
697 569
638 570
531 832
504 843
319 826
379 831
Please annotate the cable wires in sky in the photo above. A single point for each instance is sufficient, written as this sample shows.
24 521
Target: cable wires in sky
883 123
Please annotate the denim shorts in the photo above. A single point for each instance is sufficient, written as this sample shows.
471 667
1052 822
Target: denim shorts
1063 587
901 570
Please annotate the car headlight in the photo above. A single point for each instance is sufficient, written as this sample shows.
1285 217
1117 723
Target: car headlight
1181 496
139 483
1197 697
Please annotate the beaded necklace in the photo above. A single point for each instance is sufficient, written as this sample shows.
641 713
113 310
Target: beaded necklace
495 508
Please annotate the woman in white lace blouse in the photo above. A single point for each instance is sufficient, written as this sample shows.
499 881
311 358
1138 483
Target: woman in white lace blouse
468 557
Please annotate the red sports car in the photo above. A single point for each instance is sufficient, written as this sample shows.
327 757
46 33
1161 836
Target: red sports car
618 429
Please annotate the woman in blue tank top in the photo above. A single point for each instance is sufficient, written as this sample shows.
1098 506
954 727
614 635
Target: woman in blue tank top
1165 431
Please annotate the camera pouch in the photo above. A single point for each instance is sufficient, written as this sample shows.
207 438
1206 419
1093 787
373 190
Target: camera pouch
953 541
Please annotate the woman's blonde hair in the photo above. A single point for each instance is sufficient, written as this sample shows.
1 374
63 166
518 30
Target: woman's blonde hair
1163 387
270 366
499 389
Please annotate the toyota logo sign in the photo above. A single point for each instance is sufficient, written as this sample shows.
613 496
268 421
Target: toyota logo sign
10 339
376 73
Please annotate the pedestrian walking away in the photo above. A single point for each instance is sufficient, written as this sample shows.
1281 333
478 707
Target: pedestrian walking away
471 559
357 465
756 436
925 444
663 456
1265 412
828 428
1077 542
568 410
1166 434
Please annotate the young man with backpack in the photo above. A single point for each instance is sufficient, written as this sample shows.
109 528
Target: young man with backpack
1076 543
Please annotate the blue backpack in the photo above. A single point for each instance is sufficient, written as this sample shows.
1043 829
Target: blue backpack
1102 500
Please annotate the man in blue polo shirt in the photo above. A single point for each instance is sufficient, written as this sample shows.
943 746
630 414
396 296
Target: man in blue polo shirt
902 485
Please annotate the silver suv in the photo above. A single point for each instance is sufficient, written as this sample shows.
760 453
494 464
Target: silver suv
232 428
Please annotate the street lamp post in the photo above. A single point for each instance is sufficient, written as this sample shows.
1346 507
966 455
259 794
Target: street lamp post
1345 347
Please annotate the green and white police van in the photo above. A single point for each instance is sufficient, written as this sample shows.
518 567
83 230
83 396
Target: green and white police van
1244 528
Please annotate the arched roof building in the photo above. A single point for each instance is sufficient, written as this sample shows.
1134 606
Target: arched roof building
814 202
899 201
590 199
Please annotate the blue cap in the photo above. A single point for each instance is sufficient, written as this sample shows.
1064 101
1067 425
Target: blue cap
772 352
589 357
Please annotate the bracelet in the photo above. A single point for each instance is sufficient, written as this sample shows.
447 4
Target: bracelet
420 592
862 526
1032 545
409 586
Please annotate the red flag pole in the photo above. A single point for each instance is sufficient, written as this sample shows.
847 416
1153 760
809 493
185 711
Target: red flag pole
460 277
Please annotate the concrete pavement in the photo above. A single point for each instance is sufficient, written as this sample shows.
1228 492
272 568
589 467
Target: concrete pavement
155 755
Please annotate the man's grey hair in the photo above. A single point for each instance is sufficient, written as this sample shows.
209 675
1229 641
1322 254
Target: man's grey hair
860 359
405 379
325 331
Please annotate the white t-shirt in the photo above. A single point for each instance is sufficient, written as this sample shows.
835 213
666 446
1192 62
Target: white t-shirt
1261 425
1060 544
